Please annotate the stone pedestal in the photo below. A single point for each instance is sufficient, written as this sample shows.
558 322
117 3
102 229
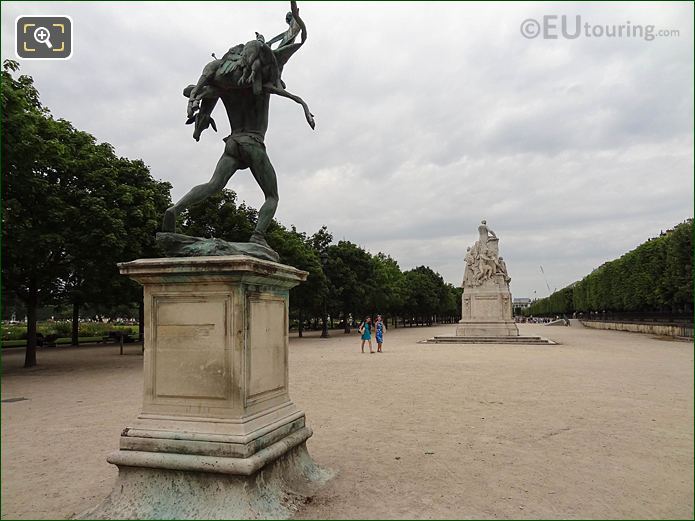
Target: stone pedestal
487 310
218 436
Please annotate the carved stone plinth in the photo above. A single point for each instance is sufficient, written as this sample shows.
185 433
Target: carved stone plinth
487 310
218 436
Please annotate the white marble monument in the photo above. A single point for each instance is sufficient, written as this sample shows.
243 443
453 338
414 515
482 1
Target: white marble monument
487 302
218 436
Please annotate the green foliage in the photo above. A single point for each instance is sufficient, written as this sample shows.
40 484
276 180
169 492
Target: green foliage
388 286
220 216
63 329
35 187
72 209
560 302
654 277
295 249
350 271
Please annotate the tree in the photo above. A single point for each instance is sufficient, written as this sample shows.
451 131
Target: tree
350 271
321 240
654 277
220 216
35 188
114 209
144 200
450 302
296 250
72 210
422 293
386 291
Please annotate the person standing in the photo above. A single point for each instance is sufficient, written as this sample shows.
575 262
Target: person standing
379 330
366 330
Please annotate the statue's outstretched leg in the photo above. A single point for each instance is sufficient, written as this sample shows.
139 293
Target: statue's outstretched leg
224 170
264 173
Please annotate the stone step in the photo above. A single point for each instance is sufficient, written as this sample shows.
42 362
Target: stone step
524 340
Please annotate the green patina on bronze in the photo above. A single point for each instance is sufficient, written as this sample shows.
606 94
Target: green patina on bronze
178 245
244 78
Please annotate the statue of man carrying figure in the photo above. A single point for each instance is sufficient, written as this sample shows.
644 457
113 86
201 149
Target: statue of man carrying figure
244 78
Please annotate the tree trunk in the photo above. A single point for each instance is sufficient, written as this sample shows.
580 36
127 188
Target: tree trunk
75 324
32 304
141 317
347 324
300 327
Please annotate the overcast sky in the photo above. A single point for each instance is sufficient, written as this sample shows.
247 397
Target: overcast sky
429 117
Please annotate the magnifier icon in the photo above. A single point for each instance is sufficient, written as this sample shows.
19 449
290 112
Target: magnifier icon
43 35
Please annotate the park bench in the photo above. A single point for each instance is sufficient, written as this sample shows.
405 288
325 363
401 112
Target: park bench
46 340
122 337
118 336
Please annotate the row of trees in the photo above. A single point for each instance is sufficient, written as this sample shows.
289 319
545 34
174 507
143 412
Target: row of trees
655 277
73 209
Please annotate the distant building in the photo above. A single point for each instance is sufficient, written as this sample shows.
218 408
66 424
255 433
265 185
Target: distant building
521 303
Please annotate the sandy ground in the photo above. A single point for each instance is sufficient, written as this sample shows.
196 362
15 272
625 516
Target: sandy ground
598 427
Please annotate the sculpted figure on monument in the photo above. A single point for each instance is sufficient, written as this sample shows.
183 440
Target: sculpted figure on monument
485 233
244 78
487 264
482 261
502 270
470 274
289 36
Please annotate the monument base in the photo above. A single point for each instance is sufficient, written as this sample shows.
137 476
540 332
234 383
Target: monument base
218 436
183 486
480 328
178 245
517 340
486 310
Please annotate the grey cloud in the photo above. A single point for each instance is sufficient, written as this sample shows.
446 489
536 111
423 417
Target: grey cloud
430 116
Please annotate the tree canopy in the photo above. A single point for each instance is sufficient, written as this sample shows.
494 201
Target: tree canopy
72 208
655 277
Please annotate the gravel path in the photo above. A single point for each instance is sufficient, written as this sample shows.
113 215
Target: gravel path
598 427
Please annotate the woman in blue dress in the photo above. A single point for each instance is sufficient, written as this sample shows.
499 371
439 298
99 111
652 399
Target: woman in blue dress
366 330
379 326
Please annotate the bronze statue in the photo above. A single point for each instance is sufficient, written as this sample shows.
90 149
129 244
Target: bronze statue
244 78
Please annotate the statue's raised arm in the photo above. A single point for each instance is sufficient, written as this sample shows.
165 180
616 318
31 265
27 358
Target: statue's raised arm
295 14
296 25
287 48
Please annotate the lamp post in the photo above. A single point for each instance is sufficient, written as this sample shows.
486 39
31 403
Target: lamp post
324 331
